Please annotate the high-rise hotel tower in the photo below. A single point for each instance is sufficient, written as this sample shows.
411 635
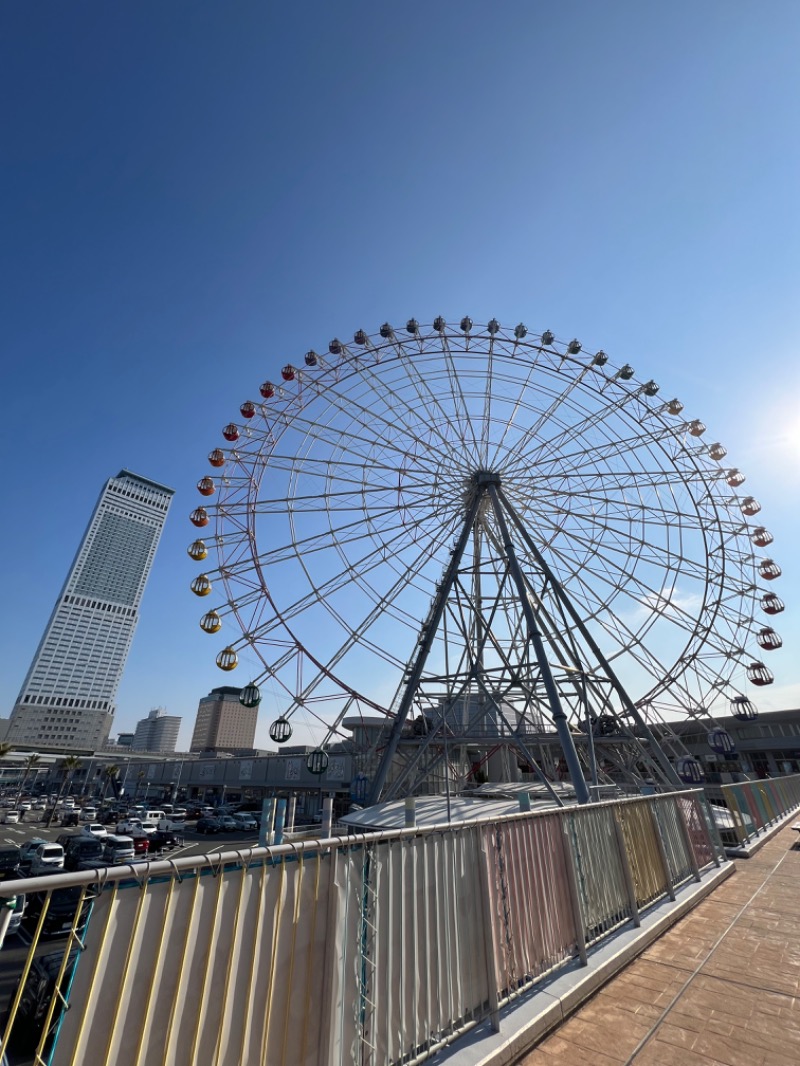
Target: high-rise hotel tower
67 700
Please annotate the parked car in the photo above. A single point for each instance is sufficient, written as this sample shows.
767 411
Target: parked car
89 814
128 826
206 824
61 911
120 849
46 858
69 817
9 860
84 852
141 843
37 995
94 829
27 849
163 840
11 817
227 823
245 820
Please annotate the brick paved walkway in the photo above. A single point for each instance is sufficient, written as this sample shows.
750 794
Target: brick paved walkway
721 988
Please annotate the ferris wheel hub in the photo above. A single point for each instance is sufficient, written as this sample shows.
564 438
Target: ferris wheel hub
486 477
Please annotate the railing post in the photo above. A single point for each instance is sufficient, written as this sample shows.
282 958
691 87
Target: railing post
489 942
280 821
687 838
711 829
572 880
626 869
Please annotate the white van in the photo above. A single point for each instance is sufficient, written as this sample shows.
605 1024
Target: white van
47 858
118 849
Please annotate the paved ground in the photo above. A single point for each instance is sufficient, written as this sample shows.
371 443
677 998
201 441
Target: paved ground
721 988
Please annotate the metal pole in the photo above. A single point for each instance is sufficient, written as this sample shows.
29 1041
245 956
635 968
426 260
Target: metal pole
666 766
265 829
574 897
426 642
559 717
280 821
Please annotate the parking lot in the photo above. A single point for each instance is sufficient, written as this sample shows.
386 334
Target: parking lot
16 946
194 843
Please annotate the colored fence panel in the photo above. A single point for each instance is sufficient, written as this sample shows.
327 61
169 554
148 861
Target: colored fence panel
755 805
644 853
530 900
675 844
599 873
372 950
697 827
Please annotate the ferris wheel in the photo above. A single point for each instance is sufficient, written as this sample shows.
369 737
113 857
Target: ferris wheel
475 537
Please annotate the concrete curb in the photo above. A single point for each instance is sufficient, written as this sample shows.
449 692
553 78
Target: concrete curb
525 1022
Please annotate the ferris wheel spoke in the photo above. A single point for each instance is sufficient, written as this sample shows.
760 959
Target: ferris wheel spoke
619 448
345 471
428 400
349 532
556 405
342 578
457 392
516 409
399 417
356 637
643 594
589 419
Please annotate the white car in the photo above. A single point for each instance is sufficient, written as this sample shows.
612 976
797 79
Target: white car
11 817
88 814
47 858
245 821
26 806
133 826
94 829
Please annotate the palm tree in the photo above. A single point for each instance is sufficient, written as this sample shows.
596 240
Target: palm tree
139 778
69 765
30 762
4 750
109 773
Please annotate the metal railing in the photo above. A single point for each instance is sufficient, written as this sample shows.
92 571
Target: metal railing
745 810
371 950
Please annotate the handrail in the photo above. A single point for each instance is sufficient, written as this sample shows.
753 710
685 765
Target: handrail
103 875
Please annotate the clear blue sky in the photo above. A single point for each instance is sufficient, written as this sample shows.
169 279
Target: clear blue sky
193 192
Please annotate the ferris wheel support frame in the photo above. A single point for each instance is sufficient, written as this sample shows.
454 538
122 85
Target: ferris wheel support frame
485 484
633 711
492 483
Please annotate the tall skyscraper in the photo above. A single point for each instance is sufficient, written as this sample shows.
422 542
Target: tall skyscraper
223 723
67 699
157 732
